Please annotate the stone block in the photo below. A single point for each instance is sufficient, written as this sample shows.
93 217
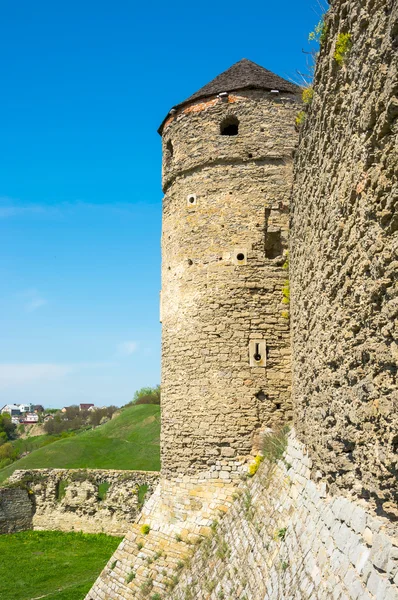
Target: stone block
381 549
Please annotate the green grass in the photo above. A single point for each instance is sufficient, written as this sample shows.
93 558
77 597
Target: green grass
129 441
51 564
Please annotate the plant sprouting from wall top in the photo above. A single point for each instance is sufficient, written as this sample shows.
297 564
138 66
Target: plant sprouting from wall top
319 34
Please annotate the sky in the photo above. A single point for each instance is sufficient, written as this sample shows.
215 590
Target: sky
84 87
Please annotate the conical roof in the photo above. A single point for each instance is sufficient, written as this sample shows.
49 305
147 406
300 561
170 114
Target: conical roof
244 74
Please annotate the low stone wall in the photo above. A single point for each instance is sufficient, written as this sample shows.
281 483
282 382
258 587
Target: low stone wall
286 538
16 510
89 500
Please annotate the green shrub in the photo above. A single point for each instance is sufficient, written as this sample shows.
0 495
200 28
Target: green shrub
146 395
343 46
145 529
61 488
103 490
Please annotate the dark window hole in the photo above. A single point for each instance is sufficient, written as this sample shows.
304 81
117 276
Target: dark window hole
261 395
170 149
190 262
230 126
250 155
273 244
240 256
278 405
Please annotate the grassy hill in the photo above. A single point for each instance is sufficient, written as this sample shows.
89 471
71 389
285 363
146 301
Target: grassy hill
128 441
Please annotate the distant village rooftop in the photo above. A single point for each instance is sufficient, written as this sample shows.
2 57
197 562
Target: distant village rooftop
244 74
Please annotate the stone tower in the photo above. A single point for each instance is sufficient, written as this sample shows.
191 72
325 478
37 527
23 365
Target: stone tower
227 175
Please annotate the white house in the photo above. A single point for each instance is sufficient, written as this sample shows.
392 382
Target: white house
30 418
12 409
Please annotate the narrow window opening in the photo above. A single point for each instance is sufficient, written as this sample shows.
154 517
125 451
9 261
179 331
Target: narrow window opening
273 244
240 256
229 126
169 150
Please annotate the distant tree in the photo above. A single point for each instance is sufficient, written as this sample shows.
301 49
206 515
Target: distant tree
146 395
7 451
95 417
71 412
110 410
7 426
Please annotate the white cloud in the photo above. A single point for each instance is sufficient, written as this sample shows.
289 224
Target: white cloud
127 348
21 374
32 300
14 375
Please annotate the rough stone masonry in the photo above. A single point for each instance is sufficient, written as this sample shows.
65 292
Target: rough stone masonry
344 261
227 175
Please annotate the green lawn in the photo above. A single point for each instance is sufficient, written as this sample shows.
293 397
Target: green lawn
51 564
129 441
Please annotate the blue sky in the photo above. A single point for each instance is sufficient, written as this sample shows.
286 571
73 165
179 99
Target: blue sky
84 86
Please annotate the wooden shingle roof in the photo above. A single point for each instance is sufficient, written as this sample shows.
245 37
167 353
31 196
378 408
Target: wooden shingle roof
244 74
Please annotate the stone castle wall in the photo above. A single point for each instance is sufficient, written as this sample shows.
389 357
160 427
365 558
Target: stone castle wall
178 515
68 499
344 242
285 537
16 510
225 196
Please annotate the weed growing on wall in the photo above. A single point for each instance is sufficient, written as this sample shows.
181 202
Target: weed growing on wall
130 577
307 95
300 118
146 587
275 444
253 468
281 534
319 33
61 489
145 529
103 490
342 48
142 491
